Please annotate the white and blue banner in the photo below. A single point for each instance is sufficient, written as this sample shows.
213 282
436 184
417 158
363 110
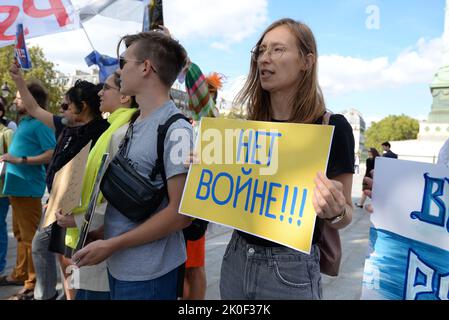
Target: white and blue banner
39 17
408 256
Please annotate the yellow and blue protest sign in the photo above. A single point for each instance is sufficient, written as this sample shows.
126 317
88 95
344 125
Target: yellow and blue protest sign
258 177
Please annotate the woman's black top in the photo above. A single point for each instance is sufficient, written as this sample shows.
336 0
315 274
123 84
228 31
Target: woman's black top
341 160
70 141
369 166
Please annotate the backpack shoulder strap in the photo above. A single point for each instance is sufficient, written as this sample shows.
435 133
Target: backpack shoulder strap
161 134
326 118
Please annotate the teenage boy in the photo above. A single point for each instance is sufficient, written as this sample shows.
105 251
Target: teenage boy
143 259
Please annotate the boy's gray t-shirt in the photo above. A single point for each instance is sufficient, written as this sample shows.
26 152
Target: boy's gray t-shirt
155 259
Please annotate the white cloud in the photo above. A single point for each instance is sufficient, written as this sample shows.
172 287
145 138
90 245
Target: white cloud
229 21
340 74
232 87
223 23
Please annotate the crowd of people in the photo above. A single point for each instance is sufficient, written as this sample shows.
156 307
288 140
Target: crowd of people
146 259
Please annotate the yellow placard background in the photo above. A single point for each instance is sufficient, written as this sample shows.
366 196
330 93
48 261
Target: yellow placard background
303 151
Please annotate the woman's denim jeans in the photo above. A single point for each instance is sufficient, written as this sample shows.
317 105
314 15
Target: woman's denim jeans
45 265
250 272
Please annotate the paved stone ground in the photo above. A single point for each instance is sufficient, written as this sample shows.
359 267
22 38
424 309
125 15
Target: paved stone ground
347 286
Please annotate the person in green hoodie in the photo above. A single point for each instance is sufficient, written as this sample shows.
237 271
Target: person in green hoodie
92 282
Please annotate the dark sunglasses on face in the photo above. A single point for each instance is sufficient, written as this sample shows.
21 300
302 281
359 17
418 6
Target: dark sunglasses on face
64 106
123 61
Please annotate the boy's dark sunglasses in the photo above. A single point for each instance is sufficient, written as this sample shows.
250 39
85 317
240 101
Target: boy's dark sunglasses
123 61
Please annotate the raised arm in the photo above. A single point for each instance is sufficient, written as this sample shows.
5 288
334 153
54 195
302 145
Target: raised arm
29 102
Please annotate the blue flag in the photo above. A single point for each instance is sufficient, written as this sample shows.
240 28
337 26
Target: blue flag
107 64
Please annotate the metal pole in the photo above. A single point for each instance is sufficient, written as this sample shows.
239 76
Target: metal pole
87 36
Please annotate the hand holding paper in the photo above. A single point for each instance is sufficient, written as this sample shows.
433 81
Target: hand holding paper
65 221
15 73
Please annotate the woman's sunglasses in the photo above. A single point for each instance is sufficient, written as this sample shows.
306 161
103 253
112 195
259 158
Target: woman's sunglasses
64 106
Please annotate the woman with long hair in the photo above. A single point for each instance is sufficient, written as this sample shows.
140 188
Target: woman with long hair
282 86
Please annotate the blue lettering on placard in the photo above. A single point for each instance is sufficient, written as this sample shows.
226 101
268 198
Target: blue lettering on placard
271 199
259 195
430 197
205 184
241 188
273 135
253 145
443 287
252 191
231 188
422 278
244 145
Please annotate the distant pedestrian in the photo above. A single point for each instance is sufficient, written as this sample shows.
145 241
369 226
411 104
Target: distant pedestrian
387 152
370 162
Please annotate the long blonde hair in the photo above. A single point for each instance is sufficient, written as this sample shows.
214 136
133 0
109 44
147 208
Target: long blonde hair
308 103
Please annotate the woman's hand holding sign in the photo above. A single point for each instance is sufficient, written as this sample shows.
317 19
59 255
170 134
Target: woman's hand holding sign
329 199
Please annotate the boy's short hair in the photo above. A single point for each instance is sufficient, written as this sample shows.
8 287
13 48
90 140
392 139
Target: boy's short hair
39 93
386 144
167 55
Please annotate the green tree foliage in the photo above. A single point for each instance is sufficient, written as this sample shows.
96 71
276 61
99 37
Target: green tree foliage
391 128
43 70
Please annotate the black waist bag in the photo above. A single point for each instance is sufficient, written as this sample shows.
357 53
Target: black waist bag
134 195
129 192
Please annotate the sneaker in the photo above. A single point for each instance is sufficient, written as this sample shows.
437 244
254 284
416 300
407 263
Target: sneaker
4 281
358 205
24 294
